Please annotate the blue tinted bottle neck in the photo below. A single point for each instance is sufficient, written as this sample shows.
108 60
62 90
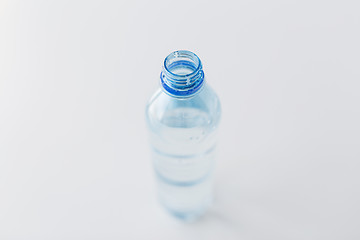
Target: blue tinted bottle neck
182 75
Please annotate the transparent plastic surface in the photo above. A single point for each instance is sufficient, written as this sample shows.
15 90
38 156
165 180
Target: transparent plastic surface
183 141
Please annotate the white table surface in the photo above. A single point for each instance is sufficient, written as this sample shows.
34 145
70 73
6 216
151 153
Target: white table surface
74 80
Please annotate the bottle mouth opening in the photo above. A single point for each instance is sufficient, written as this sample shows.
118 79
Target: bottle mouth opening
182 64
182 74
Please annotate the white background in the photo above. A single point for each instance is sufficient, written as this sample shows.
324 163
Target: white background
74 80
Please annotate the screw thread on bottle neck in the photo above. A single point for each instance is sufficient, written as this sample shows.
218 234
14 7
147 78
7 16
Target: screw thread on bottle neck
182 74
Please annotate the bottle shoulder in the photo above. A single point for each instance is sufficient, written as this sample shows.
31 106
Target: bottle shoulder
202 109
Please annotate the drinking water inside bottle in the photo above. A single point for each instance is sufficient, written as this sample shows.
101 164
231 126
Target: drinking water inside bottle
183 161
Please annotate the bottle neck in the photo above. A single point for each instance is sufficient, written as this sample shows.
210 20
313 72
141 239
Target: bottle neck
182 75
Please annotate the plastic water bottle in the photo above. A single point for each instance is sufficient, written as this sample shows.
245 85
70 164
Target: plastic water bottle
182 118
